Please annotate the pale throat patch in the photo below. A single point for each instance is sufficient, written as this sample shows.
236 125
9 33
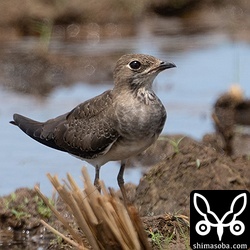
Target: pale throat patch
145 95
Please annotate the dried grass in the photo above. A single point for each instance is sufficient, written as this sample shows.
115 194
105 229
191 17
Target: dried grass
102 217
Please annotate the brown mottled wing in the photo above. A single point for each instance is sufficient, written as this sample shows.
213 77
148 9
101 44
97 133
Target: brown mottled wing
90 127
87 131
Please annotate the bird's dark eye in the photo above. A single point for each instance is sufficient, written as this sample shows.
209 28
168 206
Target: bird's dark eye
135 65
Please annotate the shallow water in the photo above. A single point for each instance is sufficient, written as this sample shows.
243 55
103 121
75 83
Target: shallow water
206 67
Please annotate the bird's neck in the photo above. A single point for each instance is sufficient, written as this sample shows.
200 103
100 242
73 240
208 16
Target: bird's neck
134 84
145 95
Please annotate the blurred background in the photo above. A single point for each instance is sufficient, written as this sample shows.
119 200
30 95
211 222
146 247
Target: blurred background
55 54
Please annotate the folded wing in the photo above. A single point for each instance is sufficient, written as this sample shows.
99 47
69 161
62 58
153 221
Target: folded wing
87 131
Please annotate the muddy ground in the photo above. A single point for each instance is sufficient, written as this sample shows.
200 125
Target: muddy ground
162 196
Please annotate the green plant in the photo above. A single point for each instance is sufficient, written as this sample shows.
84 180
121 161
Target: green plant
6 204
182 220
8 200
167 241
26 200
159 240
19 214
198 163
175 143
13 196
56 241
156 238
42 208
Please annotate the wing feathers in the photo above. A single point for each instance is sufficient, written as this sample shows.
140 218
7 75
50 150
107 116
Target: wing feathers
87 131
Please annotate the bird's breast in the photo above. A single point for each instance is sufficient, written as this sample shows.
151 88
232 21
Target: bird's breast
140 117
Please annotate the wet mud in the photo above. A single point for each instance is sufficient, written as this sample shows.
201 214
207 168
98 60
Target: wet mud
162 196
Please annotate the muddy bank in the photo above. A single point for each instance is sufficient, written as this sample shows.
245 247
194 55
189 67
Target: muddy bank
37 18
166 186
34 43
185 165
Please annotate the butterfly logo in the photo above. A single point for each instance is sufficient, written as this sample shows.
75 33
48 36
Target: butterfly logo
203 227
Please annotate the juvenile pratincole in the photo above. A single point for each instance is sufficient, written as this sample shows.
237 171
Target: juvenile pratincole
113 126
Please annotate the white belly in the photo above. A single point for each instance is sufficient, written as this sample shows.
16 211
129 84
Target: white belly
122 150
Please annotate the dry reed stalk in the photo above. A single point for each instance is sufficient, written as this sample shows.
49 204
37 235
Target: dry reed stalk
65 223
102 218
73 243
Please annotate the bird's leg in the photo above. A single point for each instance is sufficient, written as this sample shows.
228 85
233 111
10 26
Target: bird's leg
120 181
96 181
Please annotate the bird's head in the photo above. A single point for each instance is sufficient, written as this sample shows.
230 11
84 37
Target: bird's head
138 70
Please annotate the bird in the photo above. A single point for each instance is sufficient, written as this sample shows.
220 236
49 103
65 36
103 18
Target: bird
113 126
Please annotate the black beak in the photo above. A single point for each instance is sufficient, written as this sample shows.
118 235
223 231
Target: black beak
166 65
162 66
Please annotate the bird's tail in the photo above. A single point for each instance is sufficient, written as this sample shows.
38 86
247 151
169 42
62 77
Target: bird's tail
27 125
35 130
